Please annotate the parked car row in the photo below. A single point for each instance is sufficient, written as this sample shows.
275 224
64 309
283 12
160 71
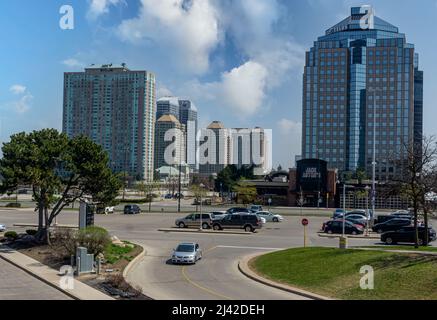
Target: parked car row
233 218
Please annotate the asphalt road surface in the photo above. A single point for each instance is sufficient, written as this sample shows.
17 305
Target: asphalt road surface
214 277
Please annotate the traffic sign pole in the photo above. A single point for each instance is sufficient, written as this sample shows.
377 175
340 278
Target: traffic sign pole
305 223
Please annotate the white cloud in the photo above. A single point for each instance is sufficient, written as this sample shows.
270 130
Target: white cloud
100 7
23 104
244 87
288 127
73 63
187 30
163 91
17 89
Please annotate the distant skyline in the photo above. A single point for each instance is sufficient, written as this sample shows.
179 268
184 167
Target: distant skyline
240 62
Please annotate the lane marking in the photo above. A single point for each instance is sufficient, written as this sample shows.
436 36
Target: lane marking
183 269
253 248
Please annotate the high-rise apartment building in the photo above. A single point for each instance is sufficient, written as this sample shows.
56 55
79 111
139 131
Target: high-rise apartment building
170 143
361 76
116 108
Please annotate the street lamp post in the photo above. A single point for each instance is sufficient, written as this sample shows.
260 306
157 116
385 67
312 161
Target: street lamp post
201 223
367 209
374 153
344 210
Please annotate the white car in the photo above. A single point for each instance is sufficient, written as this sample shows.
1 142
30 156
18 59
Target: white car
270 217
109 210
2 228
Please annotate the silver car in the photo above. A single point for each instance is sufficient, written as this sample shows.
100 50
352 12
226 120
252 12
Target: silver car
270 217
2 228
187 253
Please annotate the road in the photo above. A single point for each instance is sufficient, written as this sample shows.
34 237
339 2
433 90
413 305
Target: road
214 277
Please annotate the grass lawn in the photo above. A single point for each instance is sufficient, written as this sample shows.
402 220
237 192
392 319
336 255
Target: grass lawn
335 273
114 253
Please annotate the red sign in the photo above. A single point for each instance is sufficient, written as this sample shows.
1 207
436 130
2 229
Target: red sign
305 222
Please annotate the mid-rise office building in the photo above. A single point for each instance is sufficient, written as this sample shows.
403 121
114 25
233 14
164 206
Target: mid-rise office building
116 108
186 113
362 77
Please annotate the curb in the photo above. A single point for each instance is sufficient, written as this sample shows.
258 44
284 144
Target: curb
324 235
206 231
243 267
134 261
42 279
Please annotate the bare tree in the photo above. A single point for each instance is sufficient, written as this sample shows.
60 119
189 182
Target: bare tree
417 165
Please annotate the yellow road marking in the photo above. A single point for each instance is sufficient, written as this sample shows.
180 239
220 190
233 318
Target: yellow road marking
201 287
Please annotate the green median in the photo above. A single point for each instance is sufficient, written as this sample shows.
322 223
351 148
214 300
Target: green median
335 273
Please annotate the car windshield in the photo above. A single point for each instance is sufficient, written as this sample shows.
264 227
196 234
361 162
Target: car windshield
185 248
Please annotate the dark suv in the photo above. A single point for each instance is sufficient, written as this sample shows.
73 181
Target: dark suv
131 209
248 222
238 210
391 225
407 235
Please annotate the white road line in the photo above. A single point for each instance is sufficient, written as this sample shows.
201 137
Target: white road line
253 248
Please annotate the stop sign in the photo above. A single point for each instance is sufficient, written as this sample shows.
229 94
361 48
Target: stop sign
305 222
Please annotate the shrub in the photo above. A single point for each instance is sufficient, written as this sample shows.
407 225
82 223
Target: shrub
11 235
13 205
95 239
31 232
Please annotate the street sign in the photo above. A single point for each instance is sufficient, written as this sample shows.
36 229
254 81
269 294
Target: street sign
305 222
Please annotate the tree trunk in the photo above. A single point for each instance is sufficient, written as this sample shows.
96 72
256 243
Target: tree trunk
425 217
416 228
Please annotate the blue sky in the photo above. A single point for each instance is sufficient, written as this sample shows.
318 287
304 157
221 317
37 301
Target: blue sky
240 61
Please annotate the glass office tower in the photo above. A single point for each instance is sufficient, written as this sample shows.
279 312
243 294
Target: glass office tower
362 73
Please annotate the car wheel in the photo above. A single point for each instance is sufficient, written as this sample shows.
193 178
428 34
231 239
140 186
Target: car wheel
275 220
389 241
205 226
216 227
248 229
181 225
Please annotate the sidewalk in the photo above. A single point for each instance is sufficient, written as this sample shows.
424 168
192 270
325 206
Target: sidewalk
50 276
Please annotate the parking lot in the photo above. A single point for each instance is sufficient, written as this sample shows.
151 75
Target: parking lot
216 276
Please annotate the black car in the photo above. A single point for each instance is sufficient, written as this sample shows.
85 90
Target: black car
237 210
391 225
131 209
336 227
248 222
407 235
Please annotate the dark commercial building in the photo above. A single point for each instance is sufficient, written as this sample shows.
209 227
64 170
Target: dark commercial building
362 73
